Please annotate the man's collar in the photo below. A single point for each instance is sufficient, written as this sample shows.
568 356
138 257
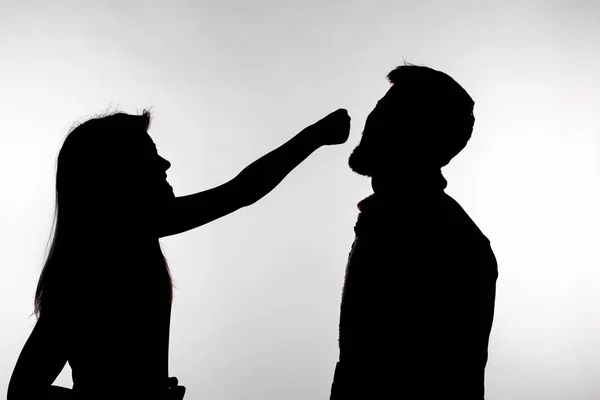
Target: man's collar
417 183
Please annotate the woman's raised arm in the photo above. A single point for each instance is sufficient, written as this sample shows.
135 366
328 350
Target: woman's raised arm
256 180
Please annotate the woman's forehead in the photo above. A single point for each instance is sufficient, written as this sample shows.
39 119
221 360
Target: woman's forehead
133 143
148 140
142 139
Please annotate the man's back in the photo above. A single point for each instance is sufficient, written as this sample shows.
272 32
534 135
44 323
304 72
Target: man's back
418 301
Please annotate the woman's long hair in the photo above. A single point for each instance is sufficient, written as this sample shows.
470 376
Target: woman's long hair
99 217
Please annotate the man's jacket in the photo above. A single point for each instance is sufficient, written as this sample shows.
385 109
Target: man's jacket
418 301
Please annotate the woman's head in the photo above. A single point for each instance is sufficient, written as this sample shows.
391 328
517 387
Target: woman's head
108 172
110 182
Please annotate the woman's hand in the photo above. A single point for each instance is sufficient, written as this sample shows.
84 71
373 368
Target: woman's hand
332 129
175 392
59 393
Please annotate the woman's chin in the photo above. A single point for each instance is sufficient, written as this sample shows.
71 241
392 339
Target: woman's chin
165 192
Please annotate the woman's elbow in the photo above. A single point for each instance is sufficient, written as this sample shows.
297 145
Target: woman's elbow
20 389
27 392
18 392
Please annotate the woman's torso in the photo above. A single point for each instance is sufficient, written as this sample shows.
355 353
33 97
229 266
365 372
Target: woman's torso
120 332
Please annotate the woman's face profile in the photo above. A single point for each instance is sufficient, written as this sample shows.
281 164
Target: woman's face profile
152 171
141 190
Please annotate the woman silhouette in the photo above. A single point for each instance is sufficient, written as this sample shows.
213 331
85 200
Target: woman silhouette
103 299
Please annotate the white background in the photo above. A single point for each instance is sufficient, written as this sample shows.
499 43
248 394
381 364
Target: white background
256 306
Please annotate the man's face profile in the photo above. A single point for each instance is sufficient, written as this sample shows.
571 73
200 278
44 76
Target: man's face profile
383 125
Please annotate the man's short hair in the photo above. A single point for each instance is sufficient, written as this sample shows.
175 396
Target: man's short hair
436 104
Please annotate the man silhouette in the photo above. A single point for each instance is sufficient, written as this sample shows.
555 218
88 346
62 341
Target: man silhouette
418 298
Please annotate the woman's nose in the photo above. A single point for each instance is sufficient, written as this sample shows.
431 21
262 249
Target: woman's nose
166 163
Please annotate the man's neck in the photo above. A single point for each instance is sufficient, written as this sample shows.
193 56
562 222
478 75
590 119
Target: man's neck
411 182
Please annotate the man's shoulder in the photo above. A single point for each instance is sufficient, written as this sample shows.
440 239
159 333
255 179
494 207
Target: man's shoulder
458 216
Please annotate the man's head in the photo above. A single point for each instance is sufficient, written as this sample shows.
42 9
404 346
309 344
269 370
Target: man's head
422 122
